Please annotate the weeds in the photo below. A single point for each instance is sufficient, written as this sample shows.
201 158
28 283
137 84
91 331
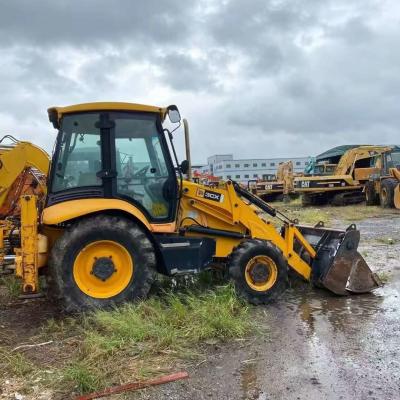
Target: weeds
15 363
383 276
144 338
12 285
84 377
327 214
387 240
305 215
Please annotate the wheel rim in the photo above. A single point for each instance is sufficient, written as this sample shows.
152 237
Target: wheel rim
261 273
103 269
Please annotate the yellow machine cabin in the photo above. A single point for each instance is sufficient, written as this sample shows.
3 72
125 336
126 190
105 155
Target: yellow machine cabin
383 186
120 208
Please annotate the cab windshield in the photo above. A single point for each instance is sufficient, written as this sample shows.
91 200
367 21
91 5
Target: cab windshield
140 170
393 160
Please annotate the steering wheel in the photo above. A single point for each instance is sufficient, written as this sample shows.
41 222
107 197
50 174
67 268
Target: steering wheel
141 173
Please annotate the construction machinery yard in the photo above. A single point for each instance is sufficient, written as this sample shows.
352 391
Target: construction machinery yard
123 265
313 344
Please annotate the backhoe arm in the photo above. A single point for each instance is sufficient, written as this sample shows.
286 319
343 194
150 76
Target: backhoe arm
16 159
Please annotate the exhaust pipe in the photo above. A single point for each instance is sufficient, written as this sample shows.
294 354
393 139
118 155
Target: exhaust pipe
187 146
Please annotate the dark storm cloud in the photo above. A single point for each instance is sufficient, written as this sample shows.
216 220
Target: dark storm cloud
88 22
292 76
184 72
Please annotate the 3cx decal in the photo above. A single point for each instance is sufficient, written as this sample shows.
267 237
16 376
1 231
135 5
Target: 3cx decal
209 195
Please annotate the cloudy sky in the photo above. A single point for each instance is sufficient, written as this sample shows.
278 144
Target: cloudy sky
257 78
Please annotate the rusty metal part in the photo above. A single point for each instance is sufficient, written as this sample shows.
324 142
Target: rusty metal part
135 386
338 266
361 280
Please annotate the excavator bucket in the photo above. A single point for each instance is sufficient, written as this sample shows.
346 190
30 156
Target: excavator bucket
338 266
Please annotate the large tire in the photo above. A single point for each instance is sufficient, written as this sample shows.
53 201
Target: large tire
258 270
386 195
371 197
100 262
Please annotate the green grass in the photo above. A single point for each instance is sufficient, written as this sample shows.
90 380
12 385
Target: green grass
305 215
83 377
12 285
15 363
387 240
328 214
146 338
164 333
384 276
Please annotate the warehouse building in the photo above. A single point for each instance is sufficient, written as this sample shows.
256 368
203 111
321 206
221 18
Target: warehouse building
226 167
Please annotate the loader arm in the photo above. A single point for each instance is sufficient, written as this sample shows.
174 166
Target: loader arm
234 213
231 214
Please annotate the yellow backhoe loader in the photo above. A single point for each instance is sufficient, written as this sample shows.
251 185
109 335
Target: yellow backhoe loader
23 171
117 212
345 184
383 186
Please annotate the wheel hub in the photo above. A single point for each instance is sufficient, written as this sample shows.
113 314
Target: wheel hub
259 273
103 268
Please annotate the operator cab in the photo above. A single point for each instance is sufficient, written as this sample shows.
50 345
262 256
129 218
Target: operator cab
116 152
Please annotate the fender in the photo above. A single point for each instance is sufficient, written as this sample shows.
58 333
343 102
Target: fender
71 209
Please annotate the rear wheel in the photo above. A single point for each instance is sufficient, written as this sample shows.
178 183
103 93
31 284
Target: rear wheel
100 262
371 197
386 195
258 271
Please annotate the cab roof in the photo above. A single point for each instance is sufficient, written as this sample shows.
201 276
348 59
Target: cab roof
103 106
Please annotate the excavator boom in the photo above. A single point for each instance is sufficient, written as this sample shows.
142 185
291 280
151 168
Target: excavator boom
23 170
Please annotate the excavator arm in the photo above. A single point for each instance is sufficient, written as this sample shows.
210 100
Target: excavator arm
23 170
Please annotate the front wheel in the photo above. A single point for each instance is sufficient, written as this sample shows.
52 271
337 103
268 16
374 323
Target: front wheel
386 194
258 270
99 262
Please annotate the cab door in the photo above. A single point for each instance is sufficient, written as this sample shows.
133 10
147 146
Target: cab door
145 175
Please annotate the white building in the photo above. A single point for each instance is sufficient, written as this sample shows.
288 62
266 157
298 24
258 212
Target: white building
243 170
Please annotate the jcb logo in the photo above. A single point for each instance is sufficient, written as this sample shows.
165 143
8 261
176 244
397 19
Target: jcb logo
207 194
212 196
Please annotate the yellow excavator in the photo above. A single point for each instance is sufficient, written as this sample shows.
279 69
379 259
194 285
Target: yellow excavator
280 188
23 171
345 184
119 210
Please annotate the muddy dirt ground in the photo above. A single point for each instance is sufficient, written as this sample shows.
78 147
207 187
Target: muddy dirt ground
314 345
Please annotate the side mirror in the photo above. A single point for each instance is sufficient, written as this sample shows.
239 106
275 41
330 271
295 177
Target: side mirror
173 114
53 117
184 167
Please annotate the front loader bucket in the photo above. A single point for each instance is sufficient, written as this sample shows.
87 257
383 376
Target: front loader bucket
338 266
